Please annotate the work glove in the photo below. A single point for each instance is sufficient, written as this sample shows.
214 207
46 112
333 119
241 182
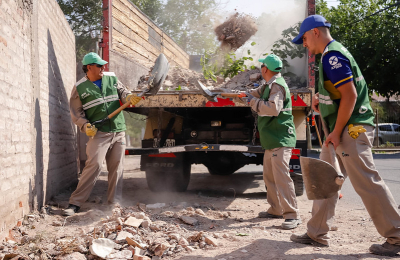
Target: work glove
90 130
247 98
133 99
355 130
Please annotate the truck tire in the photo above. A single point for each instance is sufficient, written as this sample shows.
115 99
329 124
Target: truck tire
174 179
222 169
298 184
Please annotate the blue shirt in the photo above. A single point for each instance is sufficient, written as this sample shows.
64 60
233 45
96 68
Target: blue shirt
337 72
98 83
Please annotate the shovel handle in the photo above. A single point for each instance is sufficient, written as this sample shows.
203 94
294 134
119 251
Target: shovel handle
119 110
233 95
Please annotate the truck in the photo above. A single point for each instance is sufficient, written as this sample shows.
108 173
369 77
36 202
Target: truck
184 127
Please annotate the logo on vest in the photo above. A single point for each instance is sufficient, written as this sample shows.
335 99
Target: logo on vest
85 95
363 110
115 85
290 130
334 62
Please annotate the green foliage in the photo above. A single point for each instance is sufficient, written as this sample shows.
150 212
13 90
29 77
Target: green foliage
85 17
373 41
285 49
229 67
190 24
134 125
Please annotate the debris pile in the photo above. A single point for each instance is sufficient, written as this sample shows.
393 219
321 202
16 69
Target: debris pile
236 31
143 232
181 79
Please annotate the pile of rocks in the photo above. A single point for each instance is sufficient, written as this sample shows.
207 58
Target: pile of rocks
141 233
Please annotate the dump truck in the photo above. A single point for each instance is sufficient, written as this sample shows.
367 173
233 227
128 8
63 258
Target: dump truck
183 127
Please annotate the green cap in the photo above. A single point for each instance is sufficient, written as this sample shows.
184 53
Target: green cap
272 62
91 58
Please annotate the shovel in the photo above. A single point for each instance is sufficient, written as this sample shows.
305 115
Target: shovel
156 79
321 179
212 96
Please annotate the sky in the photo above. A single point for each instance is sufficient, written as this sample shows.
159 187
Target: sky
256 7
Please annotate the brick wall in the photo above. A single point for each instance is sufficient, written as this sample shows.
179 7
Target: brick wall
37 137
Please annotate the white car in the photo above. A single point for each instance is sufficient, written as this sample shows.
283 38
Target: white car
389 132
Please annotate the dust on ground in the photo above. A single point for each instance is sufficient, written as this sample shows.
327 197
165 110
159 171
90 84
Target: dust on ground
215 219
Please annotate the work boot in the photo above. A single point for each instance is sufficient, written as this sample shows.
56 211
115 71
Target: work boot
291 223
71 210
385 249
265 214
305 239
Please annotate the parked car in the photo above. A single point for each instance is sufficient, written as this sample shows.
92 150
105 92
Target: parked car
388 132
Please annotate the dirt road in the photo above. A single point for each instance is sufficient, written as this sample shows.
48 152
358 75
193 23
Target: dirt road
230 205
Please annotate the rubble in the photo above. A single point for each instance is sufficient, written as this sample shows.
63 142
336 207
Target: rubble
235 31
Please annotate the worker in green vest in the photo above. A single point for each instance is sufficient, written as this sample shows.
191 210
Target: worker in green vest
343 103
93 98
273 104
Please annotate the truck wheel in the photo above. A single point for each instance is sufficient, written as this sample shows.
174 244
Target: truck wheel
175 179
298 183
222 169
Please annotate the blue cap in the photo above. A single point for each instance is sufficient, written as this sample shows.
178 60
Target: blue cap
311 22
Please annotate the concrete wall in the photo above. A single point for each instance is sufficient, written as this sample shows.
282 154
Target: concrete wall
136 42
37 137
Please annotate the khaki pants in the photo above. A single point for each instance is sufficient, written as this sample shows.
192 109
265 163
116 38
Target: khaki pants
356 162
109 146
280 188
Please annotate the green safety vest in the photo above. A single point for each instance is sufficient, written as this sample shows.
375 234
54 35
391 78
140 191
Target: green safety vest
98 104
362 113
277 131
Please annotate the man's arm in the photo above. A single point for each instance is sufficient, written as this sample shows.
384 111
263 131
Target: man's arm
122 91
76 110
257 91
346 107
272 106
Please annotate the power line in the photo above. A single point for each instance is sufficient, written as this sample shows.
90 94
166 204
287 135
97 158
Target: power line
380 11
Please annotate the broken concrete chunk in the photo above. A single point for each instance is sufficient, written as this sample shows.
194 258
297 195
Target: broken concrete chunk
190 209
155 206
57 223
255 77
200 212
140 215
183 242
160 249
133 222
124 254
121 237
175 236
74 256
146 223
189 220
102 247
189 249
210 240
139 251
134 243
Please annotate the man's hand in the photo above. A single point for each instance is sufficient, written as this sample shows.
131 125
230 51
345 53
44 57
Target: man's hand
133 99
90 130
315 102
247 98
333 138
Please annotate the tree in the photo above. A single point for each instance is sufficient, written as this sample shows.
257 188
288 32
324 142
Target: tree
85 17
190 24
372 39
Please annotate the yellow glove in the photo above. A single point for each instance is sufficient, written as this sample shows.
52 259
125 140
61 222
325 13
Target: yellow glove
90 130
133 99
355 130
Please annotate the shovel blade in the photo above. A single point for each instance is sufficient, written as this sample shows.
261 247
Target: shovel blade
157 75
206 92
319 178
